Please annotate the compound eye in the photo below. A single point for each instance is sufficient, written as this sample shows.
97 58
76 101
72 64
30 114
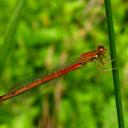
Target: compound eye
101 49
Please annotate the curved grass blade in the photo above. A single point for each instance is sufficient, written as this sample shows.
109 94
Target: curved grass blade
9 35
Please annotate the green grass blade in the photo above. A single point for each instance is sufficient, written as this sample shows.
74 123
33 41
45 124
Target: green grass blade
9 36
114 63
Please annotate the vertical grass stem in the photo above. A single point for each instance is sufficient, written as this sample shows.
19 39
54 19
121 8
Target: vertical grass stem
113 52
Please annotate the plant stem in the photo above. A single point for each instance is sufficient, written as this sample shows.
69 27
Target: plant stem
114 63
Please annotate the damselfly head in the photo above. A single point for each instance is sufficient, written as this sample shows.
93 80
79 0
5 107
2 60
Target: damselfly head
101 50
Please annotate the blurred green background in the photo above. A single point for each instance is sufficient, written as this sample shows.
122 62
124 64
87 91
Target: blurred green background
52 33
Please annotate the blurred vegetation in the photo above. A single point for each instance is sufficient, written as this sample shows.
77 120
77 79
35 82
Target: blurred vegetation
50 33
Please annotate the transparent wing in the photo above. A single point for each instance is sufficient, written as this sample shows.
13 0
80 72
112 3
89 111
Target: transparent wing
40 89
